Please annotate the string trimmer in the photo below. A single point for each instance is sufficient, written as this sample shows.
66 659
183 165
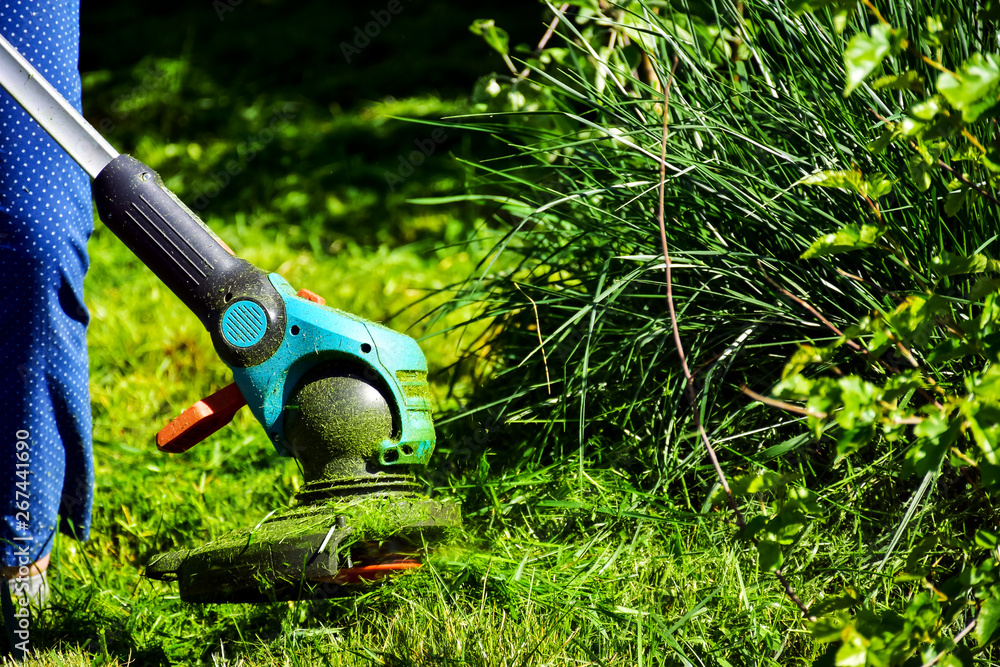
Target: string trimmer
347 397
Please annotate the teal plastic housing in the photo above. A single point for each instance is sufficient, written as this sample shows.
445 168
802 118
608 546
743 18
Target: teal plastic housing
316 334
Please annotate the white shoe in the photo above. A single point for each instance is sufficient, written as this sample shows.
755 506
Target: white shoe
33 588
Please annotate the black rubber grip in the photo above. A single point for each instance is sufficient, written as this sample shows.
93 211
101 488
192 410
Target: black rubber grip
170 239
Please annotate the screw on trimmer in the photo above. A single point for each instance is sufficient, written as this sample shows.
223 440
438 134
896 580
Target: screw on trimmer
347 397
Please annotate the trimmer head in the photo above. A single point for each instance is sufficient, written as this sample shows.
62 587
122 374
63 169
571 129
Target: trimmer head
355 520
311 551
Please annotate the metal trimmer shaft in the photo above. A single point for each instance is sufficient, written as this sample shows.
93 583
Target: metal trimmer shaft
50 110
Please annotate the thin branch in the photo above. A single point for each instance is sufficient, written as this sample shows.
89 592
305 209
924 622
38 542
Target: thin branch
933 63
874 11
850 343
912 49
973 140
689 385
807 306
787 407
966 630
544 40
867 283
795 409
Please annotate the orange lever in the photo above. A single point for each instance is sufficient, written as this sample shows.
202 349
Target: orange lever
200 420
309 295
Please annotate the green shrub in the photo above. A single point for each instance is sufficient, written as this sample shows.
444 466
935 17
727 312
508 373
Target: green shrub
891 112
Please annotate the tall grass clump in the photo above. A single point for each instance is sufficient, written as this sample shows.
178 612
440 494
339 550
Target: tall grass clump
828 177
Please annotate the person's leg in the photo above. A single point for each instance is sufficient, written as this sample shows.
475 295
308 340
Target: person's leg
33 569
46 217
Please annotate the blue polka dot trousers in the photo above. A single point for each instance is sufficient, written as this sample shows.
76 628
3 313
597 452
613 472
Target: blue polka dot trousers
46 217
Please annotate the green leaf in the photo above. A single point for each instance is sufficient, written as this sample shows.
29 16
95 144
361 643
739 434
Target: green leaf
920 172
935 434
827 628
877 185
908 80
954 201
962 657
911 127
991 160
987 384
990 346
951 264
930 152
915 318
794 387
851 237
925 110
839 8
884 139
858 399
951 348
986 539
854 651
988 620
937 30
852 440
967 152
973 89
496 37
984 286
751 484
753 527
770 555
806 355
640 29
990 476
873 186
984 422
827 606
832 178
902 383
864 53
